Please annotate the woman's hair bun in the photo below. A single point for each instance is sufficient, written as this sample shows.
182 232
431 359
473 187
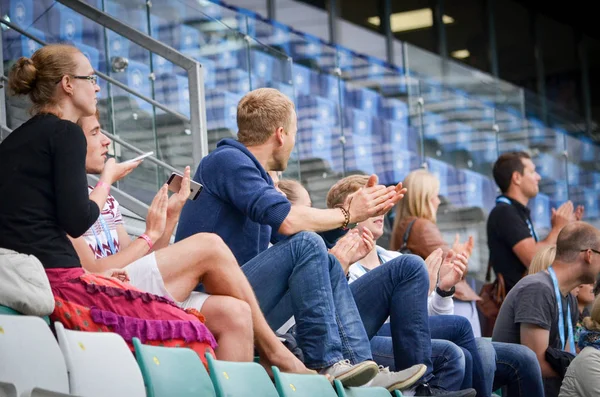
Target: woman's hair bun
22 77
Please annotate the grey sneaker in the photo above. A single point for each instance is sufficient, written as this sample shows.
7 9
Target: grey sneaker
352 375
398 380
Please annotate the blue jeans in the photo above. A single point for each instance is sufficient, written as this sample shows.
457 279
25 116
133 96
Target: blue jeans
398 290
458 330
328 325
447 358
516 368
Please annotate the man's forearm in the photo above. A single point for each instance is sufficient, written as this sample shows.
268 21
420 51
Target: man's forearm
303 218
547 370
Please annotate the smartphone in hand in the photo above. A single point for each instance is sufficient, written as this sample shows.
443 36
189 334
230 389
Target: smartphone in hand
140 157
174 183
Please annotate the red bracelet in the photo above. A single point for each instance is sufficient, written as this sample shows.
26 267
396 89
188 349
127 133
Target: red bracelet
104 185
148 240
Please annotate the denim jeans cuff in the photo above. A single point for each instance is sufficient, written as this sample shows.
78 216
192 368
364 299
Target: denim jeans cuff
324 364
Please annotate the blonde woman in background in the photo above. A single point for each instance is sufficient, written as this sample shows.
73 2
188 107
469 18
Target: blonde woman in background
417 212
542 259
583 375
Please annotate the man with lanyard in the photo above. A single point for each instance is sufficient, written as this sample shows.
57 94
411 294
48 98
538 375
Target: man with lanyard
512 239
540 313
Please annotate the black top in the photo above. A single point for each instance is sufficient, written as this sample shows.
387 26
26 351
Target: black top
506 226
44 191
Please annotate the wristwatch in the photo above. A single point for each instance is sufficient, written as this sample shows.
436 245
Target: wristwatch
445 294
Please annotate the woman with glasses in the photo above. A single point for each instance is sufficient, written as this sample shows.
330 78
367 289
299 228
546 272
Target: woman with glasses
44 197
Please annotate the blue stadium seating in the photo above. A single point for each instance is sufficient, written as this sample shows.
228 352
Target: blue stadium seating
444 172
15 45
221 110
315 140
393 109
380 135
316 108
363 99
540 211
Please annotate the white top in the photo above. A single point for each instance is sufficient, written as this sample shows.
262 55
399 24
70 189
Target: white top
112 218
435 303
583 375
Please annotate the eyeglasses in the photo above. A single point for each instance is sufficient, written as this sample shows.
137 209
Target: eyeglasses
93 78
591 249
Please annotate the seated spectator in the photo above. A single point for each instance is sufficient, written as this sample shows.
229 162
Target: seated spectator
295 192
415 222
451 328
173 271
542 259
537 312
585 297
241 205
447 362
504 365
512 239
44 197
583 375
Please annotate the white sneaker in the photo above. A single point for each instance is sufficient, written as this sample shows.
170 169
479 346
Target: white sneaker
398 380
352 375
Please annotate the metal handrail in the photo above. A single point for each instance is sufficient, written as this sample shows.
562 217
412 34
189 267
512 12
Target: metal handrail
193 68
124 87
126 200
139 151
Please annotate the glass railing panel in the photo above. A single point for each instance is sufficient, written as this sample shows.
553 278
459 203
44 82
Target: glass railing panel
583 174
381 90
459 148
317 95
478 85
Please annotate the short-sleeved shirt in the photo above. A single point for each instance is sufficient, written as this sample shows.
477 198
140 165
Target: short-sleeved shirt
533 301
507 226
112 218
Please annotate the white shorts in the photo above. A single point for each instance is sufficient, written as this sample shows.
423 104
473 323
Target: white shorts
144 275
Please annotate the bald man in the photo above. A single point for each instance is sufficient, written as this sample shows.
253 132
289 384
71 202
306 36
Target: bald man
540 313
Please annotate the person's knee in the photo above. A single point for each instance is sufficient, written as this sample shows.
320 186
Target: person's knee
310 239
211 246
409 267
463 325
526 356
231 314
455 355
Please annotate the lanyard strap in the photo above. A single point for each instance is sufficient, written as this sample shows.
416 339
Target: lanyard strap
108 236
505 200
561 322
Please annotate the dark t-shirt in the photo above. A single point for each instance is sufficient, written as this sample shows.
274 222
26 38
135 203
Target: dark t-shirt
533 301
44 191
506 226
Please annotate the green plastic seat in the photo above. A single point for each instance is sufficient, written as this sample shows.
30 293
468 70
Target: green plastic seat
8 311
172 371
12 312
232 379
300 385
397 393
361 391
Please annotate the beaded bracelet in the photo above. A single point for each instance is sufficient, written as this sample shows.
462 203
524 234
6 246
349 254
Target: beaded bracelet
346 218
